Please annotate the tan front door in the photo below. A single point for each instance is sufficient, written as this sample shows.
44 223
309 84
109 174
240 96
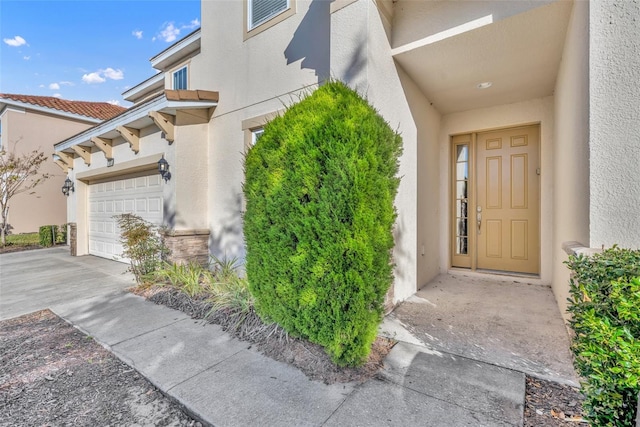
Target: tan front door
502 205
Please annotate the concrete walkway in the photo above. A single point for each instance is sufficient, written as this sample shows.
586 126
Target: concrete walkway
225 382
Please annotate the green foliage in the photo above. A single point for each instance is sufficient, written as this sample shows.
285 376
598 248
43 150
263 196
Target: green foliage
320 185
605 307
229 291
46 234
142 244
25 239
190 278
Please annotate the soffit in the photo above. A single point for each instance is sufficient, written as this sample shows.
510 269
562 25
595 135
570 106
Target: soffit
520 55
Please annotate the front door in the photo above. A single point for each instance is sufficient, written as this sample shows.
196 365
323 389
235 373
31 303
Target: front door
496 200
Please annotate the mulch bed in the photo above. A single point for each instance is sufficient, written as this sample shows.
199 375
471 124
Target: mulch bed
552 404
52 374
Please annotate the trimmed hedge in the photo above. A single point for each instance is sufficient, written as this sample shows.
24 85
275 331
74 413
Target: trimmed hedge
320 186
605 305
46 235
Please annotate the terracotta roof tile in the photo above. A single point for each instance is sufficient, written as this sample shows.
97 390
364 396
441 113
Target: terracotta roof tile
96 110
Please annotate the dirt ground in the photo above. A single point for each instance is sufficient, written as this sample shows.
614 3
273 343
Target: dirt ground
51 374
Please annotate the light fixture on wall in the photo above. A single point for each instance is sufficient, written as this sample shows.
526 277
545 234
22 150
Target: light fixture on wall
163 169
68 187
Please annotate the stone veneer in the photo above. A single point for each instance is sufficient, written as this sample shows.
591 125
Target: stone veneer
73 238
187 245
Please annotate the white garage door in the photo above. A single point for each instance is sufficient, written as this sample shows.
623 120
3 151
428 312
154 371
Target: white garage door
140 195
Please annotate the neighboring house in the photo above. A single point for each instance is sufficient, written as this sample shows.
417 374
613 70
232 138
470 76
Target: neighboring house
520 122
30 123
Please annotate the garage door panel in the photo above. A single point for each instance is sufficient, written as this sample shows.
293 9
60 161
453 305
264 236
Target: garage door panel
140 195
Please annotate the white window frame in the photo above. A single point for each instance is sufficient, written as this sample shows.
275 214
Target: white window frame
256 134
173 77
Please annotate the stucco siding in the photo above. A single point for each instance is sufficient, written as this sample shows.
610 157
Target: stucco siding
571 149
614 66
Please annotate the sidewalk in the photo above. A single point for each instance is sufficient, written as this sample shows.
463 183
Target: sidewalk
225 382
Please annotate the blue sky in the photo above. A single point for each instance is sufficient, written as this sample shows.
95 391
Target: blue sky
87 50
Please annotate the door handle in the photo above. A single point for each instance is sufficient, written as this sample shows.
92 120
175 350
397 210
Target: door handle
479 217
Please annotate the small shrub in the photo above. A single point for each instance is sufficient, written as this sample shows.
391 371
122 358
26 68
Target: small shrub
320 186
46 235
142 245
189 278
605 306
61 234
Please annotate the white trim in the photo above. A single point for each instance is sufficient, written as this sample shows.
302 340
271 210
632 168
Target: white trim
27 106
176 48
142 87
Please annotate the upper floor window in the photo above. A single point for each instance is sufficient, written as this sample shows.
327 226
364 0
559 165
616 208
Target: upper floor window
180 79
260 11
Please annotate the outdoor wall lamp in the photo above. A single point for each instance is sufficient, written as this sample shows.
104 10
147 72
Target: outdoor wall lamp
163 169
68 187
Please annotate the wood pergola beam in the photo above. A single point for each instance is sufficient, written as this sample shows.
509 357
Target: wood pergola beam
132 136
105 145
166 124
62 165
83 152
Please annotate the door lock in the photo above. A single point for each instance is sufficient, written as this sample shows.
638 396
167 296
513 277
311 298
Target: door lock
479 217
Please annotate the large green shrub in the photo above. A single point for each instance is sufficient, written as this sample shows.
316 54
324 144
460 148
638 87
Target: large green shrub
49 235
320 186
605 308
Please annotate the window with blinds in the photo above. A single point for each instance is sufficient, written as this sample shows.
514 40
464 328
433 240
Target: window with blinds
260 11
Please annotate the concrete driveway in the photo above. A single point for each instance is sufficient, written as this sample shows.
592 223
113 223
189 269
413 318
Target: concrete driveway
46 278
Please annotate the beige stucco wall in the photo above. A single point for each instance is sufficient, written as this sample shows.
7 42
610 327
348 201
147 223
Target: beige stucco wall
528 112
416 20
571 149
254 77
25 131
614 95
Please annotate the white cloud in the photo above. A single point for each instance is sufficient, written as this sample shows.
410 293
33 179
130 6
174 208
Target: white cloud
54 86
102 75
114 102
57 95
15 42
193 24
26 58
112 74
41 86
66 83
169 33
93 78
137 34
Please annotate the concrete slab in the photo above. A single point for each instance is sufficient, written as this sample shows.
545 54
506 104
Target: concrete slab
475 386
39 279
119 317
380 403
251 389
498 321
179 351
